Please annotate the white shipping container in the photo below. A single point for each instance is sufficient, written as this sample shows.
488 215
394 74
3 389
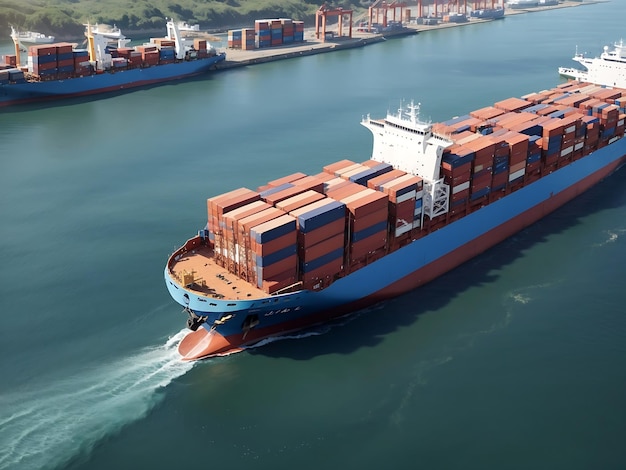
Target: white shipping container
460 187
517 174
404 229
567 151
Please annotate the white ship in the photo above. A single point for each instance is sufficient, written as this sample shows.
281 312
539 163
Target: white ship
27 38
32 37
607 70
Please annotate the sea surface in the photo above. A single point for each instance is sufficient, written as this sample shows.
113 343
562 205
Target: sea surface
515 360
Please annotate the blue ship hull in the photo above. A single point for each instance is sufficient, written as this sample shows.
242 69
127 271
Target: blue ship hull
419 262
35 92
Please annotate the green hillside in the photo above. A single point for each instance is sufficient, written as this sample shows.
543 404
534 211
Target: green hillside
64 18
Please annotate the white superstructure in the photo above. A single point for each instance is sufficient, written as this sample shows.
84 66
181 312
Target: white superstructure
408 144
32 37
607 70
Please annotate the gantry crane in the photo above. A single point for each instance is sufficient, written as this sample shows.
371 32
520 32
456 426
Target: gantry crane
323 12
379 5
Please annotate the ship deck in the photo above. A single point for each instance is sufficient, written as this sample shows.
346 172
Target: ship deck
197 271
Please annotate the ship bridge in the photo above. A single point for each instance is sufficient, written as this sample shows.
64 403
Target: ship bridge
407 143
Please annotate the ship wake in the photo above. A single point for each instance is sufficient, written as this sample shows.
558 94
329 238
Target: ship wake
47 427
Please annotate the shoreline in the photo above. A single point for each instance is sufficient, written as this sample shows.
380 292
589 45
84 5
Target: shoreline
312 45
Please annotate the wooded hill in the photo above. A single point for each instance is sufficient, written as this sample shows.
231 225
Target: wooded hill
65 18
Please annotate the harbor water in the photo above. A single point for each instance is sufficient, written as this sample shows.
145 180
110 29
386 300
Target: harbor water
515 360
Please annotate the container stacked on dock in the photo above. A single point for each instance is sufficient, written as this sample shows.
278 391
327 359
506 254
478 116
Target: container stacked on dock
304 231
267 33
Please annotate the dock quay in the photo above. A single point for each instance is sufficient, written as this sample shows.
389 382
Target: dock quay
239 58
313 45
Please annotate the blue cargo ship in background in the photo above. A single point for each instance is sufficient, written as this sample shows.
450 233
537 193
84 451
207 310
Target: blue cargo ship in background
305 249
59 70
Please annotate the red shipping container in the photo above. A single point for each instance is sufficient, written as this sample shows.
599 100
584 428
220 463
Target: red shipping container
269 272
402 213
245 224
324 176
328 245
337 166
350 168
271 232
404 187
231 218
233 201
64 48
374 183
368 219
372 243
340 192
10 59
365 202
463 194
329 270
299 200
335 183
486 113
279 282
283 194
285 179
272 246
41 50
315 236
512 104
310 182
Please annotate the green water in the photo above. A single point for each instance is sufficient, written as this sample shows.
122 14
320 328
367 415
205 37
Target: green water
515 360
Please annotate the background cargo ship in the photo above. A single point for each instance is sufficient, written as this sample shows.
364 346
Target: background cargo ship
56 71
305 249
609 69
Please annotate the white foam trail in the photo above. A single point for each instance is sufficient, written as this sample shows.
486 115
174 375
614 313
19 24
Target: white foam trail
613 236
44 428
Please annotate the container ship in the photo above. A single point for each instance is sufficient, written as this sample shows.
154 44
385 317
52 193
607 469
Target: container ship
305 249
59 70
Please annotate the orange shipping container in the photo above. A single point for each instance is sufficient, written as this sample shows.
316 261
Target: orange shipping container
323 247
328 271
333 167
367 220
316 236
374 183
512 104
350 168
339 192
299 200
363 247
285 179
365 202
279 281
272 246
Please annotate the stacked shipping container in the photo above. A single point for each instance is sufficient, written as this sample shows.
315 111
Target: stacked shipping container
267 33
308 230
61 61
